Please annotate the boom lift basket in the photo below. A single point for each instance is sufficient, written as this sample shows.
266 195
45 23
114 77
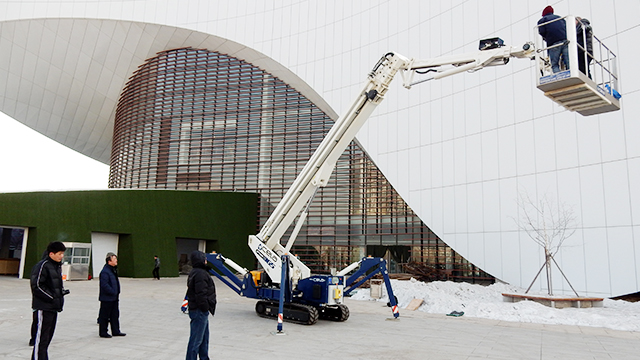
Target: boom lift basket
588 94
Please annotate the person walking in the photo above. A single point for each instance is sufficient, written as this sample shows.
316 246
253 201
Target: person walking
109 297
555 35
201 292
156 268
47 297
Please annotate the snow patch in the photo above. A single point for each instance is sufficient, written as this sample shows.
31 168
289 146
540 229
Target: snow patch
443 297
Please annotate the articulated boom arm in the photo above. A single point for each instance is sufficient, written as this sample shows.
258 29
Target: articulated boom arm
319 167
315 174
317 171
465 62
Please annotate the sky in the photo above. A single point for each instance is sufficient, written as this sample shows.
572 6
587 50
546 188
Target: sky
30 161
444 297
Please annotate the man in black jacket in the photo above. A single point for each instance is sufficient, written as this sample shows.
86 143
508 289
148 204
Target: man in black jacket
47 297
156 267
584 35
109 296
201 292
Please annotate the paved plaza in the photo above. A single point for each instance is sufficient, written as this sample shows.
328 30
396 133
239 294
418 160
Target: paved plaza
157 329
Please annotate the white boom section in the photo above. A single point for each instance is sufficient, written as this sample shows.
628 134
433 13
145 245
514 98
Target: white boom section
266 244
318 169
242 271
348 269
466 62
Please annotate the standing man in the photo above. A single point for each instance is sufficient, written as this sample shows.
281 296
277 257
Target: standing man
34 320
109 295
555 35
156 268
584 35
47 297
201 292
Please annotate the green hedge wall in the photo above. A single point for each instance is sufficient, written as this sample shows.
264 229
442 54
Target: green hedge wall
148 221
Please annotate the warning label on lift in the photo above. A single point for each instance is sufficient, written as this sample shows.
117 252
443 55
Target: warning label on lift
555 77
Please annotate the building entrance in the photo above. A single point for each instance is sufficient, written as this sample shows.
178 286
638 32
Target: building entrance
101 244
184 247
12 247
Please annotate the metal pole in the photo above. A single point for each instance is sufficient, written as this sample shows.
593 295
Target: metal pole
284 282
534 279
565 276
614 70
548 264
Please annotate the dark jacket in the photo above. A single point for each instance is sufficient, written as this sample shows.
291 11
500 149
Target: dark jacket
200 287
583 30
109 284
46 285
555 32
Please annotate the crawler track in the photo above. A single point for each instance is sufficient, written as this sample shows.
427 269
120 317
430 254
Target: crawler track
334 313
294 313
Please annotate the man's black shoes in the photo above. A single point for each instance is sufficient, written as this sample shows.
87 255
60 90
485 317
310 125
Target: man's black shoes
108 336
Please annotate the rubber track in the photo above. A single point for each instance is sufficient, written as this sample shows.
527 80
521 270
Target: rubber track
335 313
293 313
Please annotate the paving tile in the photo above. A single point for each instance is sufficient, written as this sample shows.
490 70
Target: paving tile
156 328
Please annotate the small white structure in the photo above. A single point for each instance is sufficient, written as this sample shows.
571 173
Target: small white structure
75 265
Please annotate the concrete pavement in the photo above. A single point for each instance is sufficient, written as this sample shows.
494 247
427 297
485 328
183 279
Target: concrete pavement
157 329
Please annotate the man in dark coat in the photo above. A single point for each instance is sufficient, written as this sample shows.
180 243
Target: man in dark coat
554 33
156 267
109 296
584 35
47 297
34 320
201 292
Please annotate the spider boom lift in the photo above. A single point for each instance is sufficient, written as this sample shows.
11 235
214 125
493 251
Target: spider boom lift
308 297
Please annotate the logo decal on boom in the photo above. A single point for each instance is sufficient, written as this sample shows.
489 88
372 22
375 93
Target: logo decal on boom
267 255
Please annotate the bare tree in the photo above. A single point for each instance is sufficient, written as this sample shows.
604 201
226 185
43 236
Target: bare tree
549 225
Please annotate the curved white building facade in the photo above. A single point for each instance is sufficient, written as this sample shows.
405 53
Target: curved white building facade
460 150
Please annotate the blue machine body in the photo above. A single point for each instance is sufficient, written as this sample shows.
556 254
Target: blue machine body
315 290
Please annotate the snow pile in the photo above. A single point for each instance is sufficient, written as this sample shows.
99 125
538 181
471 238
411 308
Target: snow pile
443 297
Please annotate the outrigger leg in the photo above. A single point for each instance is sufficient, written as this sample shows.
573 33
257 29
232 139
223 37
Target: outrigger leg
375 265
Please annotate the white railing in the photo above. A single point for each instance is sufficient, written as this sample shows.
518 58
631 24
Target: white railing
601 63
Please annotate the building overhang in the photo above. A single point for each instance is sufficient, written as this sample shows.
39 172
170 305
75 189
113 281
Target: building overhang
63 77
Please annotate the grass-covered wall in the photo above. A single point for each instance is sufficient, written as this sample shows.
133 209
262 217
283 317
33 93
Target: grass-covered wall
148 221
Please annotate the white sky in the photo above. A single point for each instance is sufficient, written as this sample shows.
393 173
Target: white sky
30 161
